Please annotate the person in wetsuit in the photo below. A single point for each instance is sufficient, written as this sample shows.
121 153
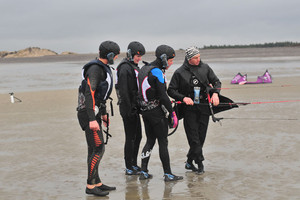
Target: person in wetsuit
154 102
189 84
94 90
127 89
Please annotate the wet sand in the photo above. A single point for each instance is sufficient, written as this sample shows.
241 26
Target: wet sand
255 156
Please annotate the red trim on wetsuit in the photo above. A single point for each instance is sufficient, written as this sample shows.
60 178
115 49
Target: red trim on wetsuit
93 163
97 140
92 92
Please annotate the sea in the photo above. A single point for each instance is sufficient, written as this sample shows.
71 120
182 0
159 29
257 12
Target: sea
27 77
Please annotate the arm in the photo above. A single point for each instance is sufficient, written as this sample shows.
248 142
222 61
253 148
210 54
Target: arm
173 90
124 89
94 75
158 81
214 80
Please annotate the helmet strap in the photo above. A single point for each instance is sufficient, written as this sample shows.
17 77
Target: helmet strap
129 55
164 60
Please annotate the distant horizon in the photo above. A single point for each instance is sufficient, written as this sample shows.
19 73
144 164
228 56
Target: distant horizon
294 44
80 26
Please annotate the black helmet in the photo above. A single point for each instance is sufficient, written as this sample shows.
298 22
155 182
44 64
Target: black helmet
165 49
163 53
136 48
108 50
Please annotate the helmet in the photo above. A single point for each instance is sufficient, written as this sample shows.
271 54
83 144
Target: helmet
164 53
108 47
136 48
165 49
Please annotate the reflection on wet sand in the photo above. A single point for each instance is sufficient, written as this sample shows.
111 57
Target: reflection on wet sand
139 189
193 182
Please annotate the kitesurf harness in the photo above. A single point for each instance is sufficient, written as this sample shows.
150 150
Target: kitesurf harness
102 93
146 104
104 88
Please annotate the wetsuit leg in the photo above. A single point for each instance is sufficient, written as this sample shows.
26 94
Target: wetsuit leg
133 136
203 124
137 141
161 131
190 127
96 150
156 128
195 125
146 152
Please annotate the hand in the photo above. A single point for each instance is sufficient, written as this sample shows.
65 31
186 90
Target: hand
94 126
188 101
215 99
174 120
105 120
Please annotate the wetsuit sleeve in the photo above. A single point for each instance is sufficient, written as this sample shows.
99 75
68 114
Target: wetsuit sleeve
158 80
124 80
174 87
94 76
214 80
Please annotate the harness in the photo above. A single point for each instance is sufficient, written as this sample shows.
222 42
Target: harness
144 102
103 91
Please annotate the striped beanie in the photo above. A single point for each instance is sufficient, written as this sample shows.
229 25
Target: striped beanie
191 52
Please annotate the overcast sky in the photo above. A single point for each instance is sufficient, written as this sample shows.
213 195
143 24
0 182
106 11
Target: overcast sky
80 26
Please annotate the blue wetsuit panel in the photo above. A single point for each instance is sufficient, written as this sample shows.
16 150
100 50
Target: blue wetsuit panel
158 73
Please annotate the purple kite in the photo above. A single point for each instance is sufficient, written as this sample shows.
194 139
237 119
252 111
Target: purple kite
242 79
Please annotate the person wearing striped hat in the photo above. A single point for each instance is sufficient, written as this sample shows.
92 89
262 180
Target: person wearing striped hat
190 84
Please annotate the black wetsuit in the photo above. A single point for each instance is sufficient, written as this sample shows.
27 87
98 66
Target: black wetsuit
195 117
94 91
127 89
152 96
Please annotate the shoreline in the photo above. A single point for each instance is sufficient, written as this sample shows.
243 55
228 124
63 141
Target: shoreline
208 54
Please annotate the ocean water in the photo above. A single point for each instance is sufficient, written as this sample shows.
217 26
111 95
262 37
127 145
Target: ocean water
23 77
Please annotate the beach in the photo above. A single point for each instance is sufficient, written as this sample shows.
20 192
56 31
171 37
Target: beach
252 155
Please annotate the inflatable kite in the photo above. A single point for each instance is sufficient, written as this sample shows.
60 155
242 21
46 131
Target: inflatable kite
242 79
